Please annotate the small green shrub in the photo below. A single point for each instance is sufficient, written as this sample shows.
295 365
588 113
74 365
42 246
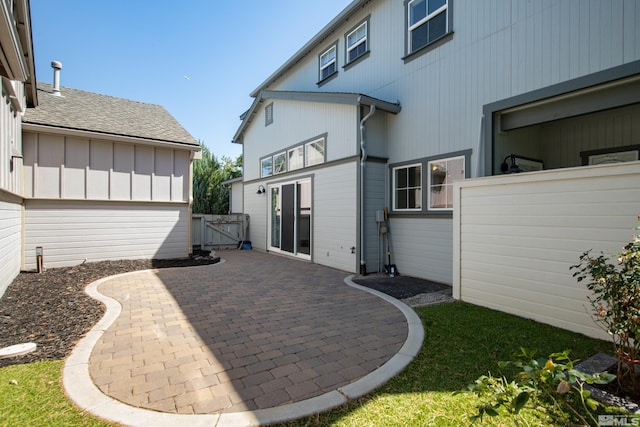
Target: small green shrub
550 386
616 301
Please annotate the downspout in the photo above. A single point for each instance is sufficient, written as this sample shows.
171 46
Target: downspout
363 159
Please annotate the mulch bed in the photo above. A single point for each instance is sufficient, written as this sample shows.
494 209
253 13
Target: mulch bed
52 310
399 287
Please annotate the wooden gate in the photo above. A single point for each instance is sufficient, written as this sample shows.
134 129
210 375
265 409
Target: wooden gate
218 231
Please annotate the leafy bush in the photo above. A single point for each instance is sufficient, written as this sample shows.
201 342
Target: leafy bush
550 386
616 301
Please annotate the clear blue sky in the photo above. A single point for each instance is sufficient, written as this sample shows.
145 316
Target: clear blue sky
199 59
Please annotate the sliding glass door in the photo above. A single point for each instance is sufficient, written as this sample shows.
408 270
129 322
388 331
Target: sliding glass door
290 217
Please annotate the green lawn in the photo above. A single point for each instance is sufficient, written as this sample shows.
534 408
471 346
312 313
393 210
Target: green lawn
462 342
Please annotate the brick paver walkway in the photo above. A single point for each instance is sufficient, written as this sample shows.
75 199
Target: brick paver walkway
254 332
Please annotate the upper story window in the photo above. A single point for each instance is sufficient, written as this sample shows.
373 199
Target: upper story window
356 40
314 152
304 154
328 62
296 158
280 163
266 166
427 21
268 114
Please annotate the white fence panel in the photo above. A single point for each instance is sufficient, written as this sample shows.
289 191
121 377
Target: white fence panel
516 237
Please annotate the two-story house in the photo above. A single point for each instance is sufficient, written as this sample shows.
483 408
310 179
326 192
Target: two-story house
396 104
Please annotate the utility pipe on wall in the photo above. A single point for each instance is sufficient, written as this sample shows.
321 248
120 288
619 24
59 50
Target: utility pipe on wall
363 159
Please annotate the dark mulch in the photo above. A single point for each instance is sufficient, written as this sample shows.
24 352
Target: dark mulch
52 310
399 287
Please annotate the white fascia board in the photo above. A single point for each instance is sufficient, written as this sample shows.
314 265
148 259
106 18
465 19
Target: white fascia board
109 137
12 56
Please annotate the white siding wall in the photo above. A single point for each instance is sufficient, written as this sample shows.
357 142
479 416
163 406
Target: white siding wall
334 215
10 242
71 231
335 192
517 236
295 122
62 167
10 187
256 206
236 196
10 141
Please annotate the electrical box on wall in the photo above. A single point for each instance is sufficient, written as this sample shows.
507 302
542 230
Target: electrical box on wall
380 216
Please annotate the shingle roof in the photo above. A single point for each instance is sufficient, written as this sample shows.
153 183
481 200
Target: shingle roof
87 111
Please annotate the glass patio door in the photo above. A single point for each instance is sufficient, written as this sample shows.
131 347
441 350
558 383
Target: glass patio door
290 218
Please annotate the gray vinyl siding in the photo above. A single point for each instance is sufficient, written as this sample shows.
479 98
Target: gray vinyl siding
375 250
422 247
10 242
72 231
499 49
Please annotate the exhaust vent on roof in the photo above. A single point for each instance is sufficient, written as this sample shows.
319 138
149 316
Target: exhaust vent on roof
57 66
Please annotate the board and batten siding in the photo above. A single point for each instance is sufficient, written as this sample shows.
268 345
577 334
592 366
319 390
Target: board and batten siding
10 242
497 51
295 122
73 231
516 236
63 167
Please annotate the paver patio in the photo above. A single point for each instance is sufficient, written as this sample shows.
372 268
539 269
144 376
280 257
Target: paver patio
255 332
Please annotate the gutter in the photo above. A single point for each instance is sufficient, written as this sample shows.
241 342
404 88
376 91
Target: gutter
363 160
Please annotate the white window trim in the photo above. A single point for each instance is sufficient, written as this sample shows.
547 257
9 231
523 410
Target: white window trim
306 149
359 42
440 160
262 175
297 148
282 154
268 114
333 48
430 16
394 188
270 217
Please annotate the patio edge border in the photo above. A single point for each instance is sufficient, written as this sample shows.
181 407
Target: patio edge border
81 390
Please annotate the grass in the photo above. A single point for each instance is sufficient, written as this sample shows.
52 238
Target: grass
31 395
462 342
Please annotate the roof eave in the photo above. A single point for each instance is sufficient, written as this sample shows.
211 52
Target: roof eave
328 97
59 130
350 10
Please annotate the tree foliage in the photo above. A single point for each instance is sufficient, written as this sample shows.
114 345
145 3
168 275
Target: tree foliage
209 195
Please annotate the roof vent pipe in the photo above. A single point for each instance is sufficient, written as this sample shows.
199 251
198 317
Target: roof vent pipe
57 66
